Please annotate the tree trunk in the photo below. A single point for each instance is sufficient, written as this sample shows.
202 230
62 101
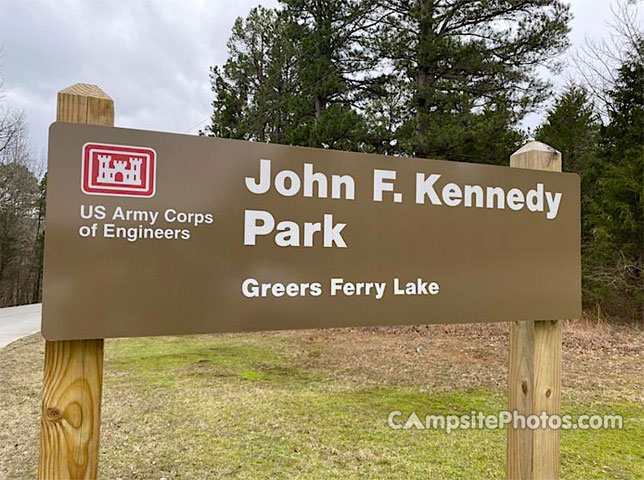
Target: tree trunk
320 105
424 76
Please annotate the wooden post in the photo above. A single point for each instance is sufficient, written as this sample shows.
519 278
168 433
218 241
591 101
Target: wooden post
71 397
534 383
520 386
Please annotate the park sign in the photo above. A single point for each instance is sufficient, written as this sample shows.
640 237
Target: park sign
153 233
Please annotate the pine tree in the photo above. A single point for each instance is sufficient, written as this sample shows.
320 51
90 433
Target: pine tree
256 86
424 77
572 127
336 71
617 207
470 69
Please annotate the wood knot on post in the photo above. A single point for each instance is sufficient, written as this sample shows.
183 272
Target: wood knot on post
524 387
548 393
54 414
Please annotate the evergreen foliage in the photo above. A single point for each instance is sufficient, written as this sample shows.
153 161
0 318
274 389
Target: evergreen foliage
413 77
616 260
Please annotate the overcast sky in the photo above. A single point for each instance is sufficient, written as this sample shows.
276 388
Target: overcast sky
151 57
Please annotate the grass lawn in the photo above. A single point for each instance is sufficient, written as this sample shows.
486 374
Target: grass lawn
314 404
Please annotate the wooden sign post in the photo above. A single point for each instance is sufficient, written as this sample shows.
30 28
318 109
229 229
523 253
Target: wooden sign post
535 366
71 398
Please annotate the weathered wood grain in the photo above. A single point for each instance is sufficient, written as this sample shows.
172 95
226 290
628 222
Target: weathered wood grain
72 386
71 410
534 383
547 398
520 398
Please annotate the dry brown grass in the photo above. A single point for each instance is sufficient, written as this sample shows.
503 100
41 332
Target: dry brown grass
600 360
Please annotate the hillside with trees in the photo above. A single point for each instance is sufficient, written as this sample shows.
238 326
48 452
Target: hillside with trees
22 214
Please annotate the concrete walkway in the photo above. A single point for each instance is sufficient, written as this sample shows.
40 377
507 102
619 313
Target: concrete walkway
18 322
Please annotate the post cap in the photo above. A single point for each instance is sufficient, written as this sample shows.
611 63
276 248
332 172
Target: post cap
86 90
537 156
536 146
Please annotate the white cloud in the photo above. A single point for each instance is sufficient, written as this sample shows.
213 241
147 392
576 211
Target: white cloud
151 57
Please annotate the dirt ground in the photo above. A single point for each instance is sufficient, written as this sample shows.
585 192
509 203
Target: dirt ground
600 361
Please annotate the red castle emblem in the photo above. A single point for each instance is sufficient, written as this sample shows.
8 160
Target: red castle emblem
118 170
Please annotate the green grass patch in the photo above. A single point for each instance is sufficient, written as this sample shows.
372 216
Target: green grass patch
243 406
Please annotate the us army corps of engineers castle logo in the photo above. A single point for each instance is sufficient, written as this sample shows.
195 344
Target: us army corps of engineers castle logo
118 170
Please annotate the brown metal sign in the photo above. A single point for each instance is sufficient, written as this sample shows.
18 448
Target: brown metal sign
154 233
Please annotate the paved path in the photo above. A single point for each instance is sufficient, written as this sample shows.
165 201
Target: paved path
18 322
